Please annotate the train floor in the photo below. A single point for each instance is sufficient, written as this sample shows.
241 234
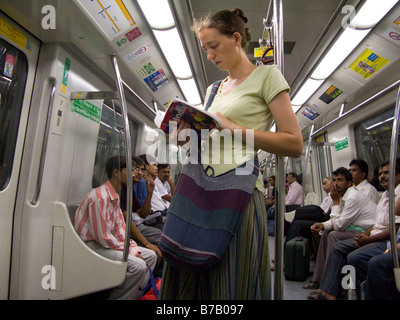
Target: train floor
292 290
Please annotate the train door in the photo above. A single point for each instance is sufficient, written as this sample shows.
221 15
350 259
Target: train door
18 59
49 260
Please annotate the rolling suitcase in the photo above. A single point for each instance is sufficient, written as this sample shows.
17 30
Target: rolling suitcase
297 259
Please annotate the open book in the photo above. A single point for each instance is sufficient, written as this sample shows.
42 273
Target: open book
178 110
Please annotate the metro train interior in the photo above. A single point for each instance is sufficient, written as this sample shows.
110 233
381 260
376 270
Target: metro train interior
69 68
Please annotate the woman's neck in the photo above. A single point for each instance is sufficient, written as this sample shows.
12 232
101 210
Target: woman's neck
243 70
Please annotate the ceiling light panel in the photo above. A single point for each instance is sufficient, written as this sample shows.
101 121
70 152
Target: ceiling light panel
172 47
190 91
308 88
346 43
158 13
371 13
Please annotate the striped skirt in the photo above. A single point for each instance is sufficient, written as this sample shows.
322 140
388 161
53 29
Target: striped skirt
244 272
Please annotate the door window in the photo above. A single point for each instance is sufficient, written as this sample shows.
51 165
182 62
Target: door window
13 74
111 140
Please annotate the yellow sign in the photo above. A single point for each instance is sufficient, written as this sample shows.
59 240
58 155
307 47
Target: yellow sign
15 36
125 12
368 63
258 52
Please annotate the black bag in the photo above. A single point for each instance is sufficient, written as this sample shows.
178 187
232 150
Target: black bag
297 259
311 212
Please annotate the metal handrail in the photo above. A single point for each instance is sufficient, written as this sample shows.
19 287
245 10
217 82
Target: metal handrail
362 104
38 188
392 173
267 22
129 186
127 87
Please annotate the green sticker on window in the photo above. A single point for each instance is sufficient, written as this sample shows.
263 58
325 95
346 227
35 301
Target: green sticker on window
86 109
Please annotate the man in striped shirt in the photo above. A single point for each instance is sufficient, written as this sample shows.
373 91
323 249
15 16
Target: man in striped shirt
99 221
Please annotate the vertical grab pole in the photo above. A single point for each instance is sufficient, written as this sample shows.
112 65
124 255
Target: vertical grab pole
279 228
392 171
280 207
129 186
307 157
38 188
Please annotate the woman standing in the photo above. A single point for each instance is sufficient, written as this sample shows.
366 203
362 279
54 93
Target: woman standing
247 102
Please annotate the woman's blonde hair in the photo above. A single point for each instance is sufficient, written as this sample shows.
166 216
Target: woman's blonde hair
227 22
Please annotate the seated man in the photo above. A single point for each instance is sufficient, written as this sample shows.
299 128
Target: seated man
146 227
306 216
380 283
140 189
158 204
101 206
164 182
351 213
359 172
294 196
327 202
147 236
368 244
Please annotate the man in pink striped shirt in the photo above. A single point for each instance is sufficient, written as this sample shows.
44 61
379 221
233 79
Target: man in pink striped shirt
99 221
295 192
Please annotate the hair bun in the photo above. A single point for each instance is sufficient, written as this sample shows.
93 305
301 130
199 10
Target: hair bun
240 14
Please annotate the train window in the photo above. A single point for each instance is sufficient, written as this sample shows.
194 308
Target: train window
111 140
13 74
373 138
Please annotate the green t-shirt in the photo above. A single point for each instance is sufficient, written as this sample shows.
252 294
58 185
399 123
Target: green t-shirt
246 105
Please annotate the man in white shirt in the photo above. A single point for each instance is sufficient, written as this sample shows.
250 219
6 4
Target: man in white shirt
327 202
164 182
359 250
359 172
352 213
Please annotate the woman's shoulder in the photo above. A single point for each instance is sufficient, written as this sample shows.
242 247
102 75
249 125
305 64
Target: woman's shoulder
217 82
269 70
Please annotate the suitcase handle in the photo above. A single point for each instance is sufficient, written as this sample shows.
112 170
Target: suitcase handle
304 248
